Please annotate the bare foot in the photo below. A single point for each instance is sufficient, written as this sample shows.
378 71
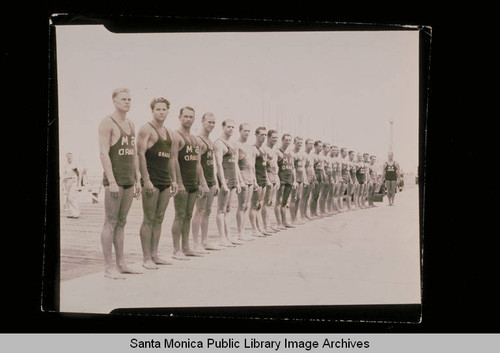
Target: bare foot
235 241
126 269
289 226
180 256
150 265
200 250
209 246
113 274
159 261
245 237
190 252
226 243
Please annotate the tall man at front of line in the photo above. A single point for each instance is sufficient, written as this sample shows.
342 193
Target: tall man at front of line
121 180
226 157
204 203
190 180
155 147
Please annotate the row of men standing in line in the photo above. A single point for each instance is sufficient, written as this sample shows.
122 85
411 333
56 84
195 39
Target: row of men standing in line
162 163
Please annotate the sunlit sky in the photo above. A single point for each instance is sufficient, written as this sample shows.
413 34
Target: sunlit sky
342 87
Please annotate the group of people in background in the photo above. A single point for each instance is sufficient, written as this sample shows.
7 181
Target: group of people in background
289 178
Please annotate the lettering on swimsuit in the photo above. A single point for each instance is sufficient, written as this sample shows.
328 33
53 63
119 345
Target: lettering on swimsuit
190 157
189 149
125 140
126 152
164 154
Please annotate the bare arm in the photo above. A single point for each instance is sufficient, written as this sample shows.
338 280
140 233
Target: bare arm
218 152
203 181
177 144
105 131
142 146
239 177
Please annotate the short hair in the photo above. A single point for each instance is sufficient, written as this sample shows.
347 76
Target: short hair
316 143
119 90
335 146
69 153
285 135
309 140
343 149
224 123
271 132
159 100
326 143
366 154
297 138
351 152
185 108
259 129
205 115
373 156
243 124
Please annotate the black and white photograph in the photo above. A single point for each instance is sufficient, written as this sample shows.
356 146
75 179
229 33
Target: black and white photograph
238 169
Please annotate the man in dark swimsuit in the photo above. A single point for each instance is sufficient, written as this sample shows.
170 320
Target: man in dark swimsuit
327 189
204 203
121 181
337 178
190 180
346 186
300 173
157 167
286 173
391 175
311 179
361 178
354 185
272 174
259 157
320 177
248 181
373 181
226 157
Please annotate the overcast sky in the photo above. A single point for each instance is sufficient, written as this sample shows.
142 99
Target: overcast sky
342 87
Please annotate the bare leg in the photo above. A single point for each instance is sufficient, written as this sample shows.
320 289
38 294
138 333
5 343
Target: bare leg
243 202
180 204
221 218
163 200
186 226
149 204
119 235
227 220
277 207
111 208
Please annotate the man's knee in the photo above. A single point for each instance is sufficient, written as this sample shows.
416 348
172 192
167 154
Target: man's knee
206 211
121 222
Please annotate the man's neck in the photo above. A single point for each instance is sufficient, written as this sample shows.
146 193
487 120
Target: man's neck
185 130
270 145
157 124
225 137
296 150
243 139
205 133
308 151
259 144
119 114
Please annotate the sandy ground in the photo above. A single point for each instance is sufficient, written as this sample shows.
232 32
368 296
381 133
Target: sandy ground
369 256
